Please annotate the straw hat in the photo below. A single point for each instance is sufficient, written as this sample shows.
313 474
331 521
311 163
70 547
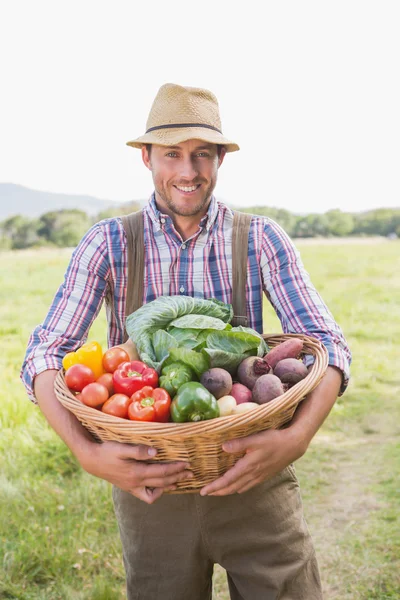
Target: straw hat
182 113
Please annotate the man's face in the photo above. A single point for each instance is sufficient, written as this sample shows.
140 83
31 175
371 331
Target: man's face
184 176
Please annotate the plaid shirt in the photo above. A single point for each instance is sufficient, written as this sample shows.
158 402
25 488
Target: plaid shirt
199 266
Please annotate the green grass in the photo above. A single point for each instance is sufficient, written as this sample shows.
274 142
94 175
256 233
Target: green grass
58 535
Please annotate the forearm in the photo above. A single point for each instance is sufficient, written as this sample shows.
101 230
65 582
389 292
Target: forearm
64 423
123 465
313 410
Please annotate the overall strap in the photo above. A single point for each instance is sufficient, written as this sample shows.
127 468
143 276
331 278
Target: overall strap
240 236
133 225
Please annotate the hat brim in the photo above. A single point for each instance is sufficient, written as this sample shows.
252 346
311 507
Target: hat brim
171 137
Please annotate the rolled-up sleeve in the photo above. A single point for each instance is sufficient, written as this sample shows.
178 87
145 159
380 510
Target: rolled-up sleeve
297 303
73 310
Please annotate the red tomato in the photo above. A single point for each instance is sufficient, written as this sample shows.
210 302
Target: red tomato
94 394
78 376
107 380
117 405
113 357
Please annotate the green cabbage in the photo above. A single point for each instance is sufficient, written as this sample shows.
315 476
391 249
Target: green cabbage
194 331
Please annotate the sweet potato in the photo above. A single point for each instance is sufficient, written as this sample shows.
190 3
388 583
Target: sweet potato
217 381
250 369
267 387
288 349
290 371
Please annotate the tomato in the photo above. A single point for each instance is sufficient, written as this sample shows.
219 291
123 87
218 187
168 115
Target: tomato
78 376
107 380
113 357
117 405
94 394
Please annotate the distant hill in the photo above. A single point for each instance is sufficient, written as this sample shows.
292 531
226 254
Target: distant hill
20 200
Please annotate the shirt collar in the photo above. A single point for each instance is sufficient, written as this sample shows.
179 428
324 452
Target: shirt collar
158 218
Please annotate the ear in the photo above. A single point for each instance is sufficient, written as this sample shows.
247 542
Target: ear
221 156
146 157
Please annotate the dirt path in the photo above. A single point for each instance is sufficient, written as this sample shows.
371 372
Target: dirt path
341 515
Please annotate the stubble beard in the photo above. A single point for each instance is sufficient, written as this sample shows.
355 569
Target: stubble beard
188 210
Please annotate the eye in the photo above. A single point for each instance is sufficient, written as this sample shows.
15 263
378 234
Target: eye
171 154
203 154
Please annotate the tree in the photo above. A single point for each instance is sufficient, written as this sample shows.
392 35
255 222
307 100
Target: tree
381 221
19 232
64 227
339 223
284 218
311 225
123 209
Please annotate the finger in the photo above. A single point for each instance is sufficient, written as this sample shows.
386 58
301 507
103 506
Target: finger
229 478
130 451
137 452
249 442
250 484
159 470
147 495
234 487
168 481
153 494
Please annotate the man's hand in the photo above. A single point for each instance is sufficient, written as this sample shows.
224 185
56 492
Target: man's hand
126 467
123 465
267 453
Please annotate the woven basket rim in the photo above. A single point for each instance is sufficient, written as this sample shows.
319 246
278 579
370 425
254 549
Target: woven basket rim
286 401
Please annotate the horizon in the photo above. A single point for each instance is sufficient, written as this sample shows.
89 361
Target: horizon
118 203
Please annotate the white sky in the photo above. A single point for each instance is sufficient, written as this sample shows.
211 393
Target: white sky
310 90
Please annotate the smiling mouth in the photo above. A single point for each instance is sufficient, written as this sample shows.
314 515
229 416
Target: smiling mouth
187 189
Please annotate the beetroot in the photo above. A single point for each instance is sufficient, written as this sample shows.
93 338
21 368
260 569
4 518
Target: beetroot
250 369
267 387
241 393
217 381
288 349
290 371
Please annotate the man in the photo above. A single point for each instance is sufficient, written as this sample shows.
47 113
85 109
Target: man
249 520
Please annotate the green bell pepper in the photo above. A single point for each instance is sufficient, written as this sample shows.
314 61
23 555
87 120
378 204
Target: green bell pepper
175 375
193 402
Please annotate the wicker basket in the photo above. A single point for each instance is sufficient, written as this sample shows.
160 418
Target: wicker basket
200 443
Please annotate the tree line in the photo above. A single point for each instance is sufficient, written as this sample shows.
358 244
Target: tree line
64 228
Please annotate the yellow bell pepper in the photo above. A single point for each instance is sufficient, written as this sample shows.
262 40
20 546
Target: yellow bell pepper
90 354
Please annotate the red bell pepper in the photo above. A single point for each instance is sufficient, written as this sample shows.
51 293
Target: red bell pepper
132 376
149 404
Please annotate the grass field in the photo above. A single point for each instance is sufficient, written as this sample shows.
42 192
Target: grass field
58 535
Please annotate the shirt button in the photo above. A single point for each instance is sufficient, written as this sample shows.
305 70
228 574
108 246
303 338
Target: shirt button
162 220
183 246
181 289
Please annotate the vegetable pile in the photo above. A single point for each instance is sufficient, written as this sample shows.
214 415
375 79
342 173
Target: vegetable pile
193 365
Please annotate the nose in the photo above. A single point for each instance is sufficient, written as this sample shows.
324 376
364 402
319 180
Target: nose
188 170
